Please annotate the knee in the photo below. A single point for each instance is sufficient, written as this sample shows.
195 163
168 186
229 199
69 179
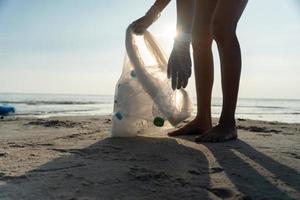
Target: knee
202 40
222 32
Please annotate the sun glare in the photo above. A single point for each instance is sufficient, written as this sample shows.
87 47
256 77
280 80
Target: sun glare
168 31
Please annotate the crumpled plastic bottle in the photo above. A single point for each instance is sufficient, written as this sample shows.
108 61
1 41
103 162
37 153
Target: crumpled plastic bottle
143 95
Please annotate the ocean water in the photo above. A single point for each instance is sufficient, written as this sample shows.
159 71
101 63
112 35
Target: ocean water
48 105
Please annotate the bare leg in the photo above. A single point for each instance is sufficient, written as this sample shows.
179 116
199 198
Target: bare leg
203 66
226 17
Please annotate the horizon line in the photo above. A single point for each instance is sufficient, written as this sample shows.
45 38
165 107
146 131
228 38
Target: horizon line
81 94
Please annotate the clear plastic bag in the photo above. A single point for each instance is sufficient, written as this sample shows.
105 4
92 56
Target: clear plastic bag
143 95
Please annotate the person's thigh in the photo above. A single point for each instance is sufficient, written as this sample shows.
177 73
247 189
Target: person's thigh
204 12
227 15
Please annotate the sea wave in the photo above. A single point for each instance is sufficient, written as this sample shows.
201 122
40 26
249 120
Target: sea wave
265 113
54 112
249 106
55 102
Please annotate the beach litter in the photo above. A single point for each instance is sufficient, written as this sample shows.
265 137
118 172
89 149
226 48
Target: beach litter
6 110
143 95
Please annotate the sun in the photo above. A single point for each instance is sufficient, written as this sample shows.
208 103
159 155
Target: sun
167 31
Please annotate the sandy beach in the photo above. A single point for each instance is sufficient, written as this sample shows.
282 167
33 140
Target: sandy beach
73 158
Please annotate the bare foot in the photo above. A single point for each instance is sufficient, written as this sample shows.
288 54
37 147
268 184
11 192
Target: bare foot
218 133
194 127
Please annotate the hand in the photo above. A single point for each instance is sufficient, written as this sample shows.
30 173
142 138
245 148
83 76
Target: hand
140 26
180 64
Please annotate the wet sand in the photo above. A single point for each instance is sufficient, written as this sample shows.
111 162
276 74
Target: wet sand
73 158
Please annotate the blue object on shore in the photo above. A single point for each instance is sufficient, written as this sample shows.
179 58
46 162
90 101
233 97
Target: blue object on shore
6 110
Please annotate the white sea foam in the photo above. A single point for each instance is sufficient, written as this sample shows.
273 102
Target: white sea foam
45 105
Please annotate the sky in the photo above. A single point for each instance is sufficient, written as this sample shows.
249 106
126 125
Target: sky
77 46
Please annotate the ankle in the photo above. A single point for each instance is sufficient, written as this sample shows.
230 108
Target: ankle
206 121
227 122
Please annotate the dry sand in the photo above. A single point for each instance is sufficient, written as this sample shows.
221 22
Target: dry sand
73 158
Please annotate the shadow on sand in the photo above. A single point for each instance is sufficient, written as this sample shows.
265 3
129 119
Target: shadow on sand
253 173
152 168
127 168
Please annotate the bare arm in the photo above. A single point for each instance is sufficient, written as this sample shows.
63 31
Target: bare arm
140 26
161 4
179 65
185 13
185 17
